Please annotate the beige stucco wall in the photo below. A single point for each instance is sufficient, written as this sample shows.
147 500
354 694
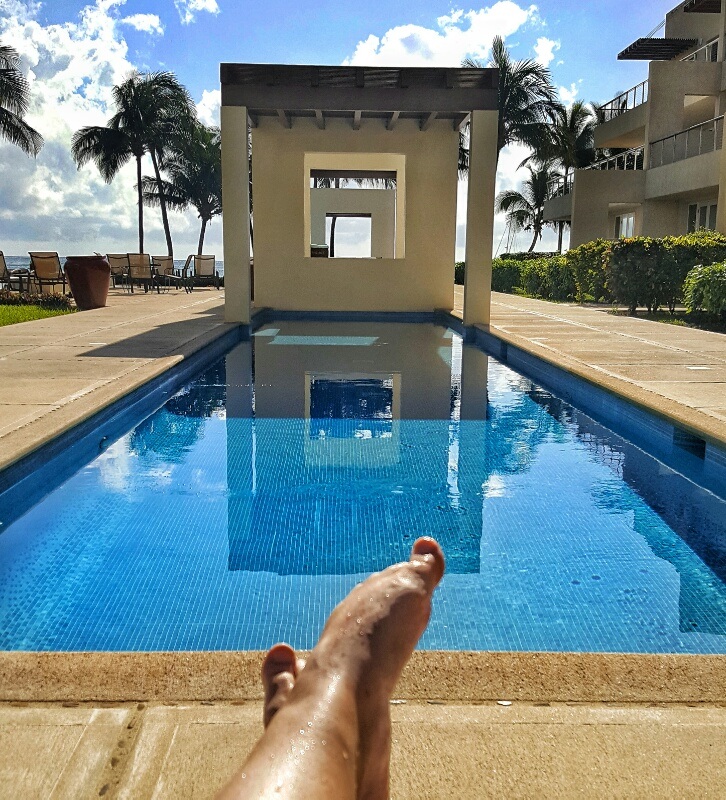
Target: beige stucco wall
691 174
662 218
379 203
287 278
593 193
558 208
668 83
680 25
625 130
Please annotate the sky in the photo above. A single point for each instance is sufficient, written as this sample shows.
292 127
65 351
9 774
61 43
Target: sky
74 51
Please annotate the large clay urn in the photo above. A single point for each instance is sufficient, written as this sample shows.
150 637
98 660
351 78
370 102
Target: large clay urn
88 278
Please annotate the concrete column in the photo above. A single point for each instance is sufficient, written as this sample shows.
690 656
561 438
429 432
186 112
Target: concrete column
480 217
236 214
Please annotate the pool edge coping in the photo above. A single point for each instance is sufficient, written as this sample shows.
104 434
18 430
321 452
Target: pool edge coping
452 676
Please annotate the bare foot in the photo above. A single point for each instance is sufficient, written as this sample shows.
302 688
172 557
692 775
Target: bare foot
328 728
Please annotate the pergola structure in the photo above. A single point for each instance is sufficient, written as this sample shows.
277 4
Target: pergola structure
656 49
401 124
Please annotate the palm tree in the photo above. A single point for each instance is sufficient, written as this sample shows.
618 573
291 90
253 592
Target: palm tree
525 96
193 166
151 109
14 101
525 209
570 142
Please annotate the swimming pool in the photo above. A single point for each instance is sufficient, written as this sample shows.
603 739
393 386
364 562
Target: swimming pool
241 511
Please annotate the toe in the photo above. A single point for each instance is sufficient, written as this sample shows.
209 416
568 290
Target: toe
279 670
427 551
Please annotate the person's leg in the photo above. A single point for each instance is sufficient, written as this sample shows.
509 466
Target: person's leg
328 731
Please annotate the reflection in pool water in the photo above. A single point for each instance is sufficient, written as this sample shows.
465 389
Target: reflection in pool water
241 511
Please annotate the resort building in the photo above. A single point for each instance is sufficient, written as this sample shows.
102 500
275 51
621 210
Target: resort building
665 173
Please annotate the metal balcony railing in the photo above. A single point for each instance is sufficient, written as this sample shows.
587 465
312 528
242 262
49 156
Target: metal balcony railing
694 141
559 187
630 159
624 102
709 52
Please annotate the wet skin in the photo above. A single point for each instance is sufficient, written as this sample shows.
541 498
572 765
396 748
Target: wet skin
327 720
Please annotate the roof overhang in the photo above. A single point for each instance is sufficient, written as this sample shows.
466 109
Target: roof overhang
356 93
702 7
652 49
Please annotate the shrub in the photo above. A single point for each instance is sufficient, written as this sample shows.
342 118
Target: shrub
506 275
587 264
549 278
459 273
632 272
53 302
705 288
680 255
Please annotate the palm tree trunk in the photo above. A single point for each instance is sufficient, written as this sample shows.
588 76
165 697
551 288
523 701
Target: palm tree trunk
534 241
141 204
560 229
201 236
332 236
162 205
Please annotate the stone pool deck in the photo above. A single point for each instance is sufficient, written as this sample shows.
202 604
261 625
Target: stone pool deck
57 372
140 751
578 725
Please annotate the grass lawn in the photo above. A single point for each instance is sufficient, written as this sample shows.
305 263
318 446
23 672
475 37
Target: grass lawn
9 315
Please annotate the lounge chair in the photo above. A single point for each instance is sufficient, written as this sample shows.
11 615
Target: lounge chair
141 272
204 272
46 270
164 266
17 279
119 263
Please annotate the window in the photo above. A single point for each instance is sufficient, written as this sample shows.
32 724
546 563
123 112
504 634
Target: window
625 225
354 205
348 235
701 215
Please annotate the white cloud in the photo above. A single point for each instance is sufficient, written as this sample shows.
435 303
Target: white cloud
545 50
567 95
147 23
47 203
188 9
458 35
208 107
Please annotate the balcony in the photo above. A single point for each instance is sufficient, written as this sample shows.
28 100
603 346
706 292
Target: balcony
694 141
559 187
709 52
624 102
630 159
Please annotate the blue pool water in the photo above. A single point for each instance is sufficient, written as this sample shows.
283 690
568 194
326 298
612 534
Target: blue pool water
241 511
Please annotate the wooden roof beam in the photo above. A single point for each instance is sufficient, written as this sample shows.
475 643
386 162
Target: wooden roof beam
319 119
356 120
426 123
284 118
460 122
392 120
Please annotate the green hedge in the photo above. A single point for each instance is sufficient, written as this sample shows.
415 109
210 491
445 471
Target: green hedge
587 263
506 275
459 273
705 289
651 272
549 278
639 271
53 302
